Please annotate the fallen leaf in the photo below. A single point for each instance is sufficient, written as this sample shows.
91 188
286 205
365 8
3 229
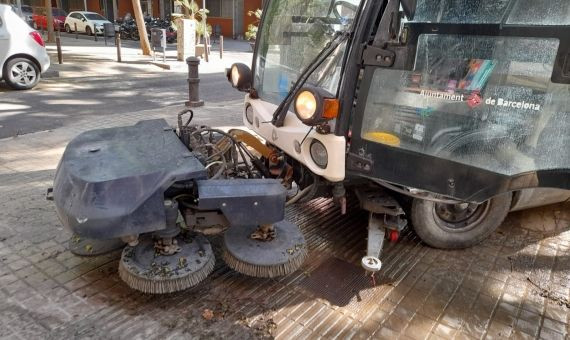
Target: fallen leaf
208 314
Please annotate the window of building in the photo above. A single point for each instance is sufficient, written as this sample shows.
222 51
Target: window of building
219 8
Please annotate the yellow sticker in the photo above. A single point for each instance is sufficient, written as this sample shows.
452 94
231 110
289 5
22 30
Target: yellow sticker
383 138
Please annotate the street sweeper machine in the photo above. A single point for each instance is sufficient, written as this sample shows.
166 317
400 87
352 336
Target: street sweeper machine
445 114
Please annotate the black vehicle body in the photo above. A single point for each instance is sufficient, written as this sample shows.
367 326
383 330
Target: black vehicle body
369 43
464 106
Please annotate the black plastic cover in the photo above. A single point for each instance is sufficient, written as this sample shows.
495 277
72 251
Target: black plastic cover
111 182
244 201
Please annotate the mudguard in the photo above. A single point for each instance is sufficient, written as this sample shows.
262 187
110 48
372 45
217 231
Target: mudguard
111 182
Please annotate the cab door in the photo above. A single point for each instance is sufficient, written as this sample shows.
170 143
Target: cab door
475 101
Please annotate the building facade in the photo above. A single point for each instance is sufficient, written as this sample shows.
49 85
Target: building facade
230 17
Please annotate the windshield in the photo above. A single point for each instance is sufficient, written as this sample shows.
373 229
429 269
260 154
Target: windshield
293 34
484 101
94 16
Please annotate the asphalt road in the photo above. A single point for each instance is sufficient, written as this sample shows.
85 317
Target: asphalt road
57 102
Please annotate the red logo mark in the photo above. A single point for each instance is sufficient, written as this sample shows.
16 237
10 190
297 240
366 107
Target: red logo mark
474 100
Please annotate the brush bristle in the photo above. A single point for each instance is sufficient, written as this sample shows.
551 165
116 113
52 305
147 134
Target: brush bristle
282 269
165 286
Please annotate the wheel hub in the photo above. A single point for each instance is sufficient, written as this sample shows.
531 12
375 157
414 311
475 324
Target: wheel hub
460 216
22 73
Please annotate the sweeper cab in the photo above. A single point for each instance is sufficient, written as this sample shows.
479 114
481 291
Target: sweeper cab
444 115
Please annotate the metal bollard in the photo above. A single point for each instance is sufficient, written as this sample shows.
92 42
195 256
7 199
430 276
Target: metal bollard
221 46
206 50
118 43
58 43
193 83
95 32
76 31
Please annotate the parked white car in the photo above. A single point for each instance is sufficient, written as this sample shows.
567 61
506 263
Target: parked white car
23 56
88 22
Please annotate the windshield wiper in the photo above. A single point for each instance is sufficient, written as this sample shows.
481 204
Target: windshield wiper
281 112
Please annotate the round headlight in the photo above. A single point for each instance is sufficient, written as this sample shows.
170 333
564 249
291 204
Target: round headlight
319 154
306 105
235 76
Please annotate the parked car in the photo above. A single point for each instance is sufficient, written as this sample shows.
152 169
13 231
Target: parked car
26 13
40 18
23 56
88 22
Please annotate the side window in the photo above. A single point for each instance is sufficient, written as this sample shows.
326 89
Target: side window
487 102
540 13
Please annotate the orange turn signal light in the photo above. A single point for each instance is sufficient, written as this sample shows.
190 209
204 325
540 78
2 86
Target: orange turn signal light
331 107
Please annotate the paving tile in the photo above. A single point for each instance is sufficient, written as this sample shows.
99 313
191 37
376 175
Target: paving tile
548 334
444 331
419 327
498 330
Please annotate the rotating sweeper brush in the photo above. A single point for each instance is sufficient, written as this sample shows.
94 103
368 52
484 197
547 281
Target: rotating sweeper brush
145 269
162 193
266 251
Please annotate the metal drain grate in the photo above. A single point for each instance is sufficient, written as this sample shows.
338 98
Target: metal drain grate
345 285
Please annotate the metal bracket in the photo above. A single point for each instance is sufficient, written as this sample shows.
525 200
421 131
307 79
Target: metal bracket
376 56
378 201
359 163
49 194
376 232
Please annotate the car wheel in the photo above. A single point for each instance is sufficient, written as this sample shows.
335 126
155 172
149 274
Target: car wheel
88 30
456 226
67 28
21 74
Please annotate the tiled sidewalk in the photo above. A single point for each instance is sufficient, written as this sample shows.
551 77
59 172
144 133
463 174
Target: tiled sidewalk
512 285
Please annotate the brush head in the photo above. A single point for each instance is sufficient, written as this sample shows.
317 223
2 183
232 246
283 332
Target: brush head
284 254
144 269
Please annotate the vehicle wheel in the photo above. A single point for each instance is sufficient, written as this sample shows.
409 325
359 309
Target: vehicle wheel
455 226
21 74
88 30
67 28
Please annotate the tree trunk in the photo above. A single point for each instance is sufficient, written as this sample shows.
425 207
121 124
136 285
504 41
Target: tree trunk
145 45
49 21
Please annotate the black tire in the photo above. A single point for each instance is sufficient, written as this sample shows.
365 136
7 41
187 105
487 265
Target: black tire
21 74
67 28
88 30
458 226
